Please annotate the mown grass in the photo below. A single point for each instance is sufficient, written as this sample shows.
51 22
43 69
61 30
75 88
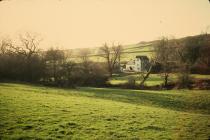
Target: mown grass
37 112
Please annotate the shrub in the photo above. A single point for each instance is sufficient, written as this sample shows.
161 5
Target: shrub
184 80
93 75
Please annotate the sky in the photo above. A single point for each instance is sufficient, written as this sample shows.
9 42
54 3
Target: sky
91 23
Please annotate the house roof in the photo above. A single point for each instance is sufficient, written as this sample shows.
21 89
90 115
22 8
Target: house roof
142 57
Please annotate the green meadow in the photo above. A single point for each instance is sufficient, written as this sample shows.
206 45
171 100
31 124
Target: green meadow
154 79
38 112
129 52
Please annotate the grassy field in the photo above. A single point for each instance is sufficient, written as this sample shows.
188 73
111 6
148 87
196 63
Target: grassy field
129 52
154 79
37 112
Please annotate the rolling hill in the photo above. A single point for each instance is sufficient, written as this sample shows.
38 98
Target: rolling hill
132 50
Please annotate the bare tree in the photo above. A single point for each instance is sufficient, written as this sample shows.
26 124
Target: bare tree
5 45
29 44
68 66
84 54
192 52
21 61
205 51
164 54
145 75
112 56
54 59
29 50
85 62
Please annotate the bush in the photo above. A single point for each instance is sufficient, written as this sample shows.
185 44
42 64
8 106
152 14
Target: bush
184 80
200 69
93 75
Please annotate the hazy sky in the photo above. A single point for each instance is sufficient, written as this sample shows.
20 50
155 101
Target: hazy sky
90 23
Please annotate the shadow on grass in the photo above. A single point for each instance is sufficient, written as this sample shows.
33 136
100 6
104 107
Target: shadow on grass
185 101
172 101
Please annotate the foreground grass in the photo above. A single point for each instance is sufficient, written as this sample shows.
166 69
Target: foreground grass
36 112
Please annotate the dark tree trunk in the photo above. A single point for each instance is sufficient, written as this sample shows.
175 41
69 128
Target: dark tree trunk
110 73
146 77
166 80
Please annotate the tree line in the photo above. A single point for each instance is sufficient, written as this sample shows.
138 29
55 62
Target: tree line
25 61
190 55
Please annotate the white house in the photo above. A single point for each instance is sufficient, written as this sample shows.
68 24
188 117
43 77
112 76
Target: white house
130 65
139 64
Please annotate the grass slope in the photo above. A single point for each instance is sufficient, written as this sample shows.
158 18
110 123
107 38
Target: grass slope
129 52
36 112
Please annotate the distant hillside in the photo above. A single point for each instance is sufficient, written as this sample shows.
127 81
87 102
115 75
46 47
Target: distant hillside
131 50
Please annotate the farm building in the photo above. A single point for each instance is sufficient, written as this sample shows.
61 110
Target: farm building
139 64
